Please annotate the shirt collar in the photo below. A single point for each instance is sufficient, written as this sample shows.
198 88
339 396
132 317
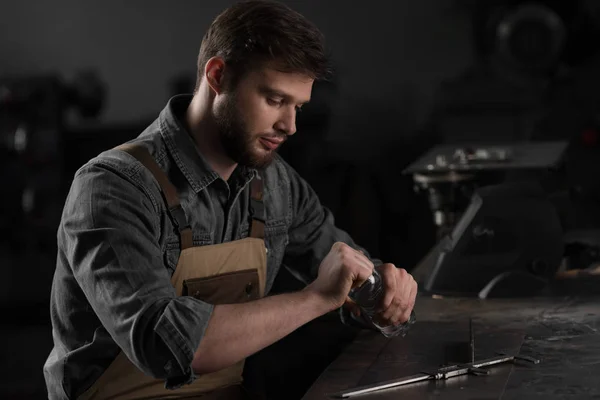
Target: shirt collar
183 150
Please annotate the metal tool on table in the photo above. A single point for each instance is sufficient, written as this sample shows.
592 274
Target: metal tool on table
472 367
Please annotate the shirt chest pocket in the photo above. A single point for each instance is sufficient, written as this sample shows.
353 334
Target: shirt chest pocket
276 239
173 249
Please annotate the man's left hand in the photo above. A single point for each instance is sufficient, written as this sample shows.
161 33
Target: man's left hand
400 291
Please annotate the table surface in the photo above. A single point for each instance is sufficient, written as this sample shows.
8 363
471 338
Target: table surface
561 331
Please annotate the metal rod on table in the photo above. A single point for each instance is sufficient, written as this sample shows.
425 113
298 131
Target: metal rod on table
471 342
473 367
442 373
382 385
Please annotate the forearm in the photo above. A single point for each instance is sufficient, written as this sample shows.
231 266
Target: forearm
236 331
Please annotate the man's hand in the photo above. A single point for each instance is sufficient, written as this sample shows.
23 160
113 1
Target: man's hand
341 270
400 291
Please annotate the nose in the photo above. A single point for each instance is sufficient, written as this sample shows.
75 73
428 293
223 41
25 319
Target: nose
287 121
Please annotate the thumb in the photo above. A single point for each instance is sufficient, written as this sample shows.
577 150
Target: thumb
352 307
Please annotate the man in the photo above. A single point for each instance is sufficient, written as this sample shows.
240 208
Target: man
169 244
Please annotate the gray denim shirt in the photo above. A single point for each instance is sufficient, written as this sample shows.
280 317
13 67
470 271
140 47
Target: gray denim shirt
117 249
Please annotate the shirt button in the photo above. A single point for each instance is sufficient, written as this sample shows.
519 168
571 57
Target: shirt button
169 367
249 287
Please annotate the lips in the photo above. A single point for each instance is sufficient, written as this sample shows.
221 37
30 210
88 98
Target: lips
271 143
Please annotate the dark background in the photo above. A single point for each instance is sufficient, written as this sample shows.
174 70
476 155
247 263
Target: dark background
77 78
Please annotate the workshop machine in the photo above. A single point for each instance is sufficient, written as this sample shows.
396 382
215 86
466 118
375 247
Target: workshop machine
512 184
498 227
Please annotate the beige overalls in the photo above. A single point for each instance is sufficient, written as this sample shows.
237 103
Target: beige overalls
227 273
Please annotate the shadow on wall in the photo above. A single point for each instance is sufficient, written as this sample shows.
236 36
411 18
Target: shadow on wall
364 127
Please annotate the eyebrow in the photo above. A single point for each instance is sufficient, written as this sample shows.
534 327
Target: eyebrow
274 92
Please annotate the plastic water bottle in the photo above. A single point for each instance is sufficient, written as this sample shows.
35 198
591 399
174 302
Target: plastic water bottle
368 297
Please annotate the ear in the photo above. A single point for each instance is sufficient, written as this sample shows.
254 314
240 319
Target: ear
214 74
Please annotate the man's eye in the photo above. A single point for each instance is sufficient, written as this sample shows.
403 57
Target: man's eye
273 102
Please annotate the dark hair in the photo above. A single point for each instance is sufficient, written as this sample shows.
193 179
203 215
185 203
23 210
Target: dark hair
252 32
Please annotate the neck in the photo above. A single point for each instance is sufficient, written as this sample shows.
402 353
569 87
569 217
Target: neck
205 134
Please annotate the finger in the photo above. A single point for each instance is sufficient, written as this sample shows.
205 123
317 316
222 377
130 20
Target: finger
363 270
357 256
393 313
365 263
411 300
351 306
402 300
361 256
358 270
388 276
361 275
406 283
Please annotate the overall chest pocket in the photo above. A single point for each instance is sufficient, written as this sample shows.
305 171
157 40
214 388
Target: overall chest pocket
228 288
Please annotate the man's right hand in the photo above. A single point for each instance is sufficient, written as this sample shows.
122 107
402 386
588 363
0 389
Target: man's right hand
226 340
341 270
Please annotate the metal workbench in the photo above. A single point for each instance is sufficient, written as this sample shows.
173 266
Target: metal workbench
561 329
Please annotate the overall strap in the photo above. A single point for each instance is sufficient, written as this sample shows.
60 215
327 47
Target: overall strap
257 208
176 212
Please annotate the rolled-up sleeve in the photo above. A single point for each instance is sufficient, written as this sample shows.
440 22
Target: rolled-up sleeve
110 235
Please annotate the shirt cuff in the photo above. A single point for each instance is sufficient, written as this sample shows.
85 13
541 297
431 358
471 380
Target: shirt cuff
181 327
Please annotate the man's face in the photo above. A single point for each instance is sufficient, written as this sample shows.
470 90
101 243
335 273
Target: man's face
257 115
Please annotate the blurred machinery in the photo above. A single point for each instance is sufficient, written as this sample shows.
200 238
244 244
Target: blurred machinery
508 242
526 52
535 38
526 112
450 174
32 124
503 231
534 79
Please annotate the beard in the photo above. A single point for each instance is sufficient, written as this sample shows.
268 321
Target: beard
239 144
